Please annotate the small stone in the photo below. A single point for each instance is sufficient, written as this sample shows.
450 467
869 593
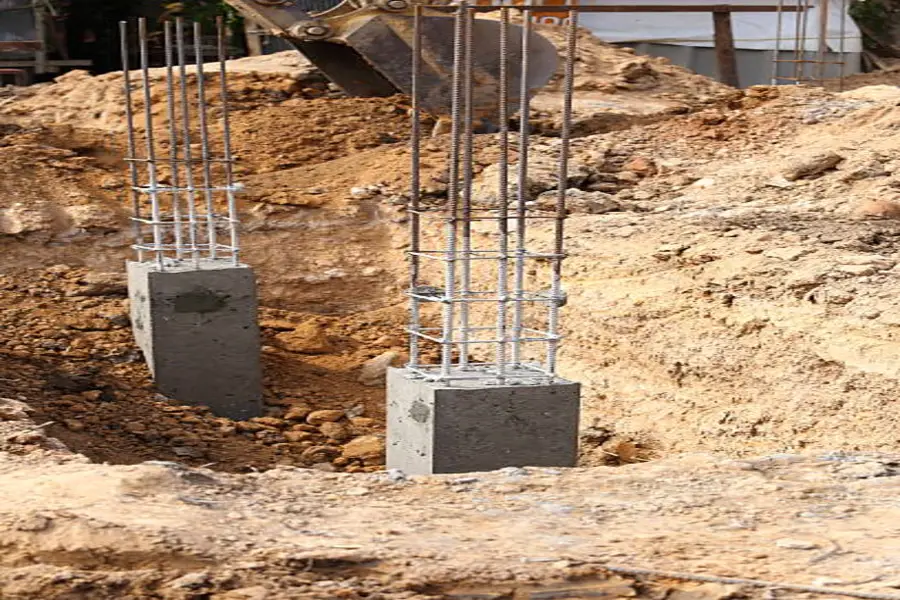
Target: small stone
307 338
706 182
579 202
374 371
335 431
188 452
877 209
634 70
396 476
357 491
641 165
248 427
362 422
13 410
320 454
464 480
858 270
298 436
796 544
21 219
790 253
865 470
100 284
248 593
297 412
73 425
33 523
366 447
94 217
864 166
876 261
28 437
628 177
191 581
362 193
324 416
270 422
111 183
305 427
811 165
779 182
278 324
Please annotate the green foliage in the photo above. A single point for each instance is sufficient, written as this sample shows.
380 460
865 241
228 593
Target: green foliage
875 19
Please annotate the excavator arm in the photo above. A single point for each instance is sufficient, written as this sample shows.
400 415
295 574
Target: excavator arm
365 48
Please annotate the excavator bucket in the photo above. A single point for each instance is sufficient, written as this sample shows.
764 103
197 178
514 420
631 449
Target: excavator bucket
368 51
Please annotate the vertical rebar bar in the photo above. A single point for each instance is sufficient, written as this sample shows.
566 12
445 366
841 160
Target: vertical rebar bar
415 193
228 159
503 199
173 142
452 212
779 24
522 191
186 133
468 143
153 184
204 145
559 222
137 212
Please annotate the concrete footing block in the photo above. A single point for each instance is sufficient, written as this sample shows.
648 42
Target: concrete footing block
199 333
432 428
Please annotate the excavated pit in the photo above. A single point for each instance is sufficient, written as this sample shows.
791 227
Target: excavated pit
685 218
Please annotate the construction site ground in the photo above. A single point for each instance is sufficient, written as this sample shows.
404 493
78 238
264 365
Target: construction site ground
733 315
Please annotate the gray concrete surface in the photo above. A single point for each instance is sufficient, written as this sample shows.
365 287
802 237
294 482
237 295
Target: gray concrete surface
199 333
432 428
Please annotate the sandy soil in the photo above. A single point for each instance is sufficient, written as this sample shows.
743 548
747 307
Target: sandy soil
731 283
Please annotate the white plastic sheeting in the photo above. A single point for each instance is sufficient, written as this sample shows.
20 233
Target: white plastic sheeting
752 31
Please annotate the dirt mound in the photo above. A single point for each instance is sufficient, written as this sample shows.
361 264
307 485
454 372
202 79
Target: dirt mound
610 69
86 101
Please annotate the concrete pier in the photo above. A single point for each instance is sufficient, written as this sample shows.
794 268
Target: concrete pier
473 426
199 333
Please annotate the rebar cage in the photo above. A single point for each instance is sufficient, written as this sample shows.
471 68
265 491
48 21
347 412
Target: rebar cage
183 193
484 293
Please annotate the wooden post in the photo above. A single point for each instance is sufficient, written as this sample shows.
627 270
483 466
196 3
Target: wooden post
822 53
40 25
726 60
